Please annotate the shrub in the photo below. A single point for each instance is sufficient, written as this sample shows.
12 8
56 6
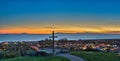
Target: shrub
8 54
90 49
42 53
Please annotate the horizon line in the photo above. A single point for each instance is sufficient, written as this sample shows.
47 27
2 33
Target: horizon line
64 33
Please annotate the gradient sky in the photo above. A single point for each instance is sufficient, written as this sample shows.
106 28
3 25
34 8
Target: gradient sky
69 16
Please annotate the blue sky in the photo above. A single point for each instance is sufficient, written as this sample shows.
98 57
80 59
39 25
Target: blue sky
42 12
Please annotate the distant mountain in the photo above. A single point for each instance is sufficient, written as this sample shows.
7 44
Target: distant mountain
79 33
24 33
68 33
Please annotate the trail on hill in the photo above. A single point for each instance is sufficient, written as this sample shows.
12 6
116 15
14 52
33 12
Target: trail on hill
71 57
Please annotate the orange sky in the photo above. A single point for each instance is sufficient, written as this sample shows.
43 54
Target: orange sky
42 17
47 30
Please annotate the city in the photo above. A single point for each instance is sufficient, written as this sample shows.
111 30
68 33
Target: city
64 46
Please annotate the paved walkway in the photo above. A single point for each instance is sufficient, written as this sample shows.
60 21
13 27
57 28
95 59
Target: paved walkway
71 57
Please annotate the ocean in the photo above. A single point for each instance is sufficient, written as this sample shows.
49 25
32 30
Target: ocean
38 37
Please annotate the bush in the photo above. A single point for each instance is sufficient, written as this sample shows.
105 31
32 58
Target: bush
8 54
42 53
90 49
31 53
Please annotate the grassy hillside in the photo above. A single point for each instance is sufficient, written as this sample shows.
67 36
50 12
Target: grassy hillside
57 58
97 56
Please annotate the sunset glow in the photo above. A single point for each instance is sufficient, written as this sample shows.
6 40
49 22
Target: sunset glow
42 17
61 30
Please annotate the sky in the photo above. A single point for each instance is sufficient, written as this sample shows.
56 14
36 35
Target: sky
64 16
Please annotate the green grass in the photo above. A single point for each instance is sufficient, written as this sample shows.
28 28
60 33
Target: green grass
56 58
97 56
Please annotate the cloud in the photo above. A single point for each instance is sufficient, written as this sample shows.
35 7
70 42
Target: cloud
90 27
114 32
51 27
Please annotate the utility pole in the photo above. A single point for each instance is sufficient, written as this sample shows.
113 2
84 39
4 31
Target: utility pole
53 42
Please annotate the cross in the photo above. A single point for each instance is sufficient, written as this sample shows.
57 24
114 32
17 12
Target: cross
53 39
